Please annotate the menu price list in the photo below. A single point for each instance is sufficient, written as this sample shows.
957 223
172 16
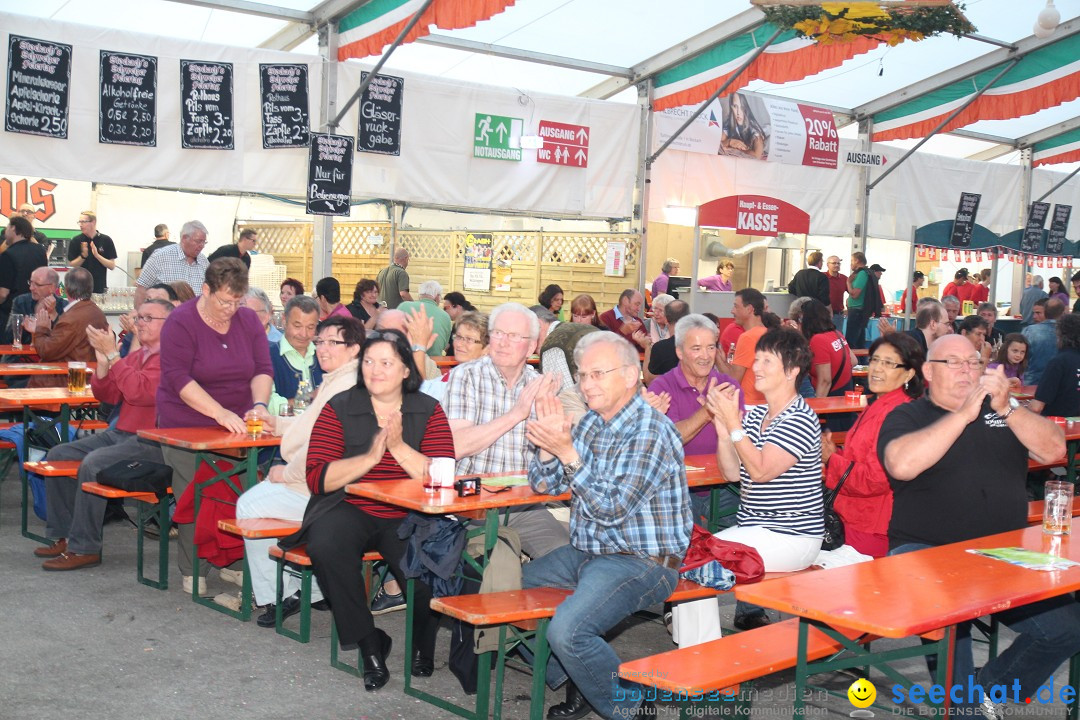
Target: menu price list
284 92
1033 229
329 187
379 129
127 113
1055 240
964 224
207 92
39 82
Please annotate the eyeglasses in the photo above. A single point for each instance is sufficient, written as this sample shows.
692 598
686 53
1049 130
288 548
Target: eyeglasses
234 304
27 212
331 343
958 364
512 337
465 339
596 375
146 318
83 222
885 363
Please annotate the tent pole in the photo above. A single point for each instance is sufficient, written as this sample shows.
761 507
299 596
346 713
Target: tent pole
1066 179
382 61
1020 272
862 202
322 241
911 283
639 221
701 108
944 122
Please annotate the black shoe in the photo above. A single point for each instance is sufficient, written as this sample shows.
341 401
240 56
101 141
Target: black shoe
575 707
384 602
321 605
421 666
289 607
751 621
151 529
375 673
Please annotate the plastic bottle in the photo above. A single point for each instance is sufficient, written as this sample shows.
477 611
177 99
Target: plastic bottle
303 397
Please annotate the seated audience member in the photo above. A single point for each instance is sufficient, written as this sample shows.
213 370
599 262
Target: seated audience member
1057 290
865 499
748 310
721 281
629 519
284 493
328 293
931 322
416 327
392 433
75 518
547 322
293 357
290 288
455 304
658 325
1058 394
1042 340
974 328
215 367
183 291
988 312
66 340
775 451
624 319
794 320
43 286
129 337
967 433
831 360
1075 280
259 301
660 356
557 358
952 310
365 305
583 310
551 298
1012 358
430 299
470 343
488 402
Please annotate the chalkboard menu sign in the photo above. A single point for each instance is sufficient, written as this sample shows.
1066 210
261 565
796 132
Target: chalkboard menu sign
1033 229
964 224
39 79
380 115
329 187
284 94
1055 241
206 89
127 112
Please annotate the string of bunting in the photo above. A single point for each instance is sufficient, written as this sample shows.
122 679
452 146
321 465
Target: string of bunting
888 22
927 252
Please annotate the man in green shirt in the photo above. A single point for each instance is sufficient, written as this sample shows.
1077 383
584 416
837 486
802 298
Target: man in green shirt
431 301
293 357
393 281
863 301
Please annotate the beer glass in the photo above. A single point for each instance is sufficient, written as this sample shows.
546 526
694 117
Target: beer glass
1057 507
76 377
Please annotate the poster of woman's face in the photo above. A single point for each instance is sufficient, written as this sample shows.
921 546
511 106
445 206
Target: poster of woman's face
745 127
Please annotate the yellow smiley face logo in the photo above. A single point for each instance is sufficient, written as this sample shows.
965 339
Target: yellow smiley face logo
862 693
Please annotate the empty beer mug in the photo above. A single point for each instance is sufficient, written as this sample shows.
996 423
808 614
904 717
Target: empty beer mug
1057 507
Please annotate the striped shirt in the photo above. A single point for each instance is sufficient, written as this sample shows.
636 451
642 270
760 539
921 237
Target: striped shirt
630 495
790 504
328 444
170 264
478 392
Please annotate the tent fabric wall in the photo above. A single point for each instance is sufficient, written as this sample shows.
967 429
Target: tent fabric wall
436 166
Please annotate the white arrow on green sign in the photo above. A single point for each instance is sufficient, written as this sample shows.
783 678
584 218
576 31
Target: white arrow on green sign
496 137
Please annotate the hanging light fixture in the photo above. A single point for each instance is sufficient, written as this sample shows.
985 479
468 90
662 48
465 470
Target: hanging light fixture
1047 21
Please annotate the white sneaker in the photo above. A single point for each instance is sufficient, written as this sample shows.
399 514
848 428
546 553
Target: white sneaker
189 583
236 577
229 600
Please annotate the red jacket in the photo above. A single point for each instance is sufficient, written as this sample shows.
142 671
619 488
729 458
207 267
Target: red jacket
132 383
865 501
614 324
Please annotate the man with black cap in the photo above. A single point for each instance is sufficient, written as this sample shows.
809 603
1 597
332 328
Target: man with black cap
917 281
877 270
958 288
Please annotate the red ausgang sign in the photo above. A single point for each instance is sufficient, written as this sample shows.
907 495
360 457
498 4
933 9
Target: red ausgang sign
564 144
754 215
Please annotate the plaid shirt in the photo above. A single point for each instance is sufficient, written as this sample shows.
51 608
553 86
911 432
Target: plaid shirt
170 264
477 392
630 495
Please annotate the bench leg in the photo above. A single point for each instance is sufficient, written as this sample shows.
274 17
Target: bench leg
1073 706
305 603
358 669
7 458
145 511
26 504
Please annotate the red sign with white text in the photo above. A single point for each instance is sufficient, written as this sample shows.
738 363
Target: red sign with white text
754 215
564 144
822 143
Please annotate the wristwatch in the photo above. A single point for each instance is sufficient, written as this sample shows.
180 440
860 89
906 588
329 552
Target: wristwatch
418 348
736 435
1013 405
570 469
112 356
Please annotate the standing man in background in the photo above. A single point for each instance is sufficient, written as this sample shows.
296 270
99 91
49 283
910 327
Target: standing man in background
811 282
177 262
863 301
18 262
837 288
393 281
241 250
161 239
92 251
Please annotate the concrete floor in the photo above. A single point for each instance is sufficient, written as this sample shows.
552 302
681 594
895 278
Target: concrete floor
94 643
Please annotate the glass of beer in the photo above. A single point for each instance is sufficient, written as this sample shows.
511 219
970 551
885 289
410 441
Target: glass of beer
1057 507
76 377
254 424
16 331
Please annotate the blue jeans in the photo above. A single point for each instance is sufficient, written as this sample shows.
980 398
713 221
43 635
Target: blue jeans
607 589
855 334
1048 634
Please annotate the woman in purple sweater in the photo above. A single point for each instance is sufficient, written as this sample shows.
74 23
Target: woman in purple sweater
215 366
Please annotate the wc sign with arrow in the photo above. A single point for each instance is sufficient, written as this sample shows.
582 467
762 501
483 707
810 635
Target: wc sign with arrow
564 144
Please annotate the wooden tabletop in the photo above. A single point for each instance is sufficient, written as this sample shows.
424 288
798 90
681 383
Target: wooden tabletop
39 368
827 405
450 361
914 593
861 352
26 349
32 397
208 438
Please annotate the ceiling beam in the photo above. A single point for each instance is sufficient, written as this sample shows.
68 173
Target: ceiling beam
966 70
253 8
330 11
503 51
1048 132
737 25
288 37
992 153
